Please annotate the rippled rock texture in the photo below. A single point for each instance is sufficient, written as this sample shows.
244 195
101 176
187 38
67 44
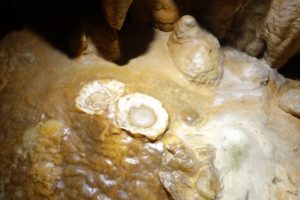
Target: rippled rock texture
92 160
235 139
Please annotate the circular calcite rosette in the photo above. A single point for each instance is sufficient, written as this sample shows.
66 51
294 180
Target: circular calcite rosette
141 114
96 96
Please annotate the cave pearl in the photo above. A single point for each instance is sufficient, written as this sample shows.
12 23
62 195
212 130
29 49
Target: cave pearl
96 96
141 114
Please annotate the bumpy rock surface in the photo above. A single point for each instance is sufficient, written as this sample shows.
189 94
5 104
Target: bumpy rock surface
290 102
195 52
216 15
235 141
165 14
282 32
115 11
261 28
90 160
189 174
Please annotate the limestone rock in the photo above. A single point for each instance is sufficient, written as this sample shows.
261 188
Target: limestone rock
189 174
231 141
165 14
196 53
115 11
282 32
141 114
290 102
95 97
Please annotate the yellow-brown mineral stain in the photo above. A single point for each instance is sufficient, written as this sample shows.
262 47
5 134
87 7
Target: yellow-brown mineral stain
45 161
92 159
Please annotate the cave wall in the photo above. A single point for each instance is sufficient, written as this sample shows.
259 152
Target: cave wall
267 29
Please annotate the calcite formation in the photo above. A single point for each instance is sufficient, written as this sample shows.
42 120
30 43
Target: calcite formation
266 28
95 97
229 124
165 14
115 12
290 102
141 114
196 53
189 173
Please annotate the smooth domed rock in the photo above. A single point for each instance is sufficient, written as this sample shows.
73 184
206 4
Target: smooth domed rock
141 114
196 53
290 102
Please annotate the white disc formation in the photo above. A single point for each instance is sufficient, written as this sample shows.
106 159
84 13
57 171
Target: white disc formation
137 113
141 114
96 96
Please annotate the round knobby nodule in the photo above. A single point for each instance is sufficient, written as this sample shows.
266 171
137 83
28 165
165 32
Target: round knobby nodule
141 114
96 96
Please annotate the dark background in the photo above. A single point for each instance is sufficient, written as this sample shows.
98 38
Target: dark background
56 20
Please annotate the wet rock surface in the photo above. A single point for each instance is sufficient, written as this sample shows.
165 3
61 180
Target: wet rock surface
195 52
189 173
91 160
102 161
235 140
290 102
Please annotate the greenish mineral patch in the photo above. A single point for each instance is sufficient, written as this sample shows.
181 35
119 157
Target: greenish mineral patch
237 155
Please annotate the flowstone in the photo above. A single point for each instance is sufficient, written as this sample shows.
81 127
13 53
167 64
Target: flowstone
233 136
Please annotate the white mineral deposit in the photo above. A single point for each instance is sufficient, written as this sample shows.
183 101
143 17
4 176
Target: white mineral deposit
186 120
